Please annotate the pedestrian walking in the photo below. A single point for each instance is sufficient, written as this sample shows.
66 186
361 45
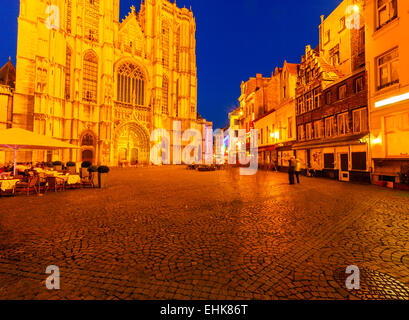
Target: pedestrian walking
291 170
297 169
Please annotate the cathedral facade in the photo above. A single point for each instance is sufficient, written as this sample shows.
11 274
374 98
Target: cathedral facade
90 80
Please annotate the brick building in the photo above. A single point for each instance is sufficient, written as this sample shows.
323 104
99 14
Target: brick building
332 112
276 127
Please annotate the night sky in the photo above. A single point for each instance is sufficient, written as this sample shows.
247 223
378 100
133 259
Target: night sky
235 40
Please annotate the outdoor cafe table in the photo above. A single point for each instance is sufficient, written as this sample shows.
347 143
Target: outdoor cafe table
8 184
68 179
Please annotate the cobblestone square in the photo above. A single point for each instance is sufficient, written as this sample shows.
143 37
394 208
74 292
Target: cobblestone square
171 233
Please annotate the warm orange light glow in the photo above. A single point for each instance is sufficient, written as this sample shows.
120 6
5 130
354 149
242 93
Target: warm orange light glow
392 100
377 140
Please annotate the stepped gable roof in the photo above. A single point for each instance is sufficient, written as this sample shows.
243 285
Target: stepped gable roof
329 71
8 74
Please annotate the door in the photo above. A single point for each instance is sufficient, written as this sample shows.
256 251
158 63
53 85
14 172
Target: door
134 156
344 167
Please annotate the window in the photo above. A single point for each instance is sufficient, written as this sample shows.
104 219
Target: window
360 120
317 98
300 105
361 44
386 11
308 102
92 17
308 131
335 60
329 161
318 129
87 140
388 69
342 24
284 92
327 36
165 95
177 99
359 161
90 77
343 124
329 127
165 44
262 136
68 74
177 48
290 128
342 92
301 132
328 97
359 84
131 84
69 16
192 109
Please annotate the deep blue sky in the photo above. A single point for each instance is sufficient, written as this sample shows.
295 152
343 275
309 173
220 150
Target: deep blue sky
235 40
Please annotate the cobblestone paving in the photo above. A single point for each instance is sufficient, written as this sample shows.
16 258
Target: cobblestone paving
170 233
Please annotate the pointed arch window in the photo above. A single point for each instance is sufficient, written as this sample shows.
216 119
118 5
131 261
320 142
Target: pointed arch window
69 15
131 84
165 44
68 58
92 17
165 95
177 49
90 77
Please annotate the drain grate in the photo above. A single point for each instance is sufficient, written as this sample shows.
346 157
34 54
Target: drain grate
374 285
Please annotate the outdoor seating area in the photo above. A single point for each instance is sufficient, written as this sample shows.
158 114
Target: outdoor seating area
39 179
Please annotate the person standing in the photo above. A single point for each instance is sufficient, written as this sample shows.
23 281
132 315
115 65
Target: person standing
291 170
297 169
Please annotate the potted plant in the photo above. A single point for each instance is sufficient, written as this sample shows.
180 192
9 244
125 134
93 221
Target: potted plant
403 180
102 176
93 175
71 167
84 169
57 165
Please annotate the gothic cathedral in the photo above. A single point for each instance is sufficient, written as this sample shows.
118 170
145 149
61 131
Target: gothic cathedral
88 79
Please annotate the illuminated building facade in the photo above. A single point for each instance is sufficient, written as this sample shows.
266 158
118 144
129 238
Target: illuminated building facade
276 127
102 84
332 112
387 52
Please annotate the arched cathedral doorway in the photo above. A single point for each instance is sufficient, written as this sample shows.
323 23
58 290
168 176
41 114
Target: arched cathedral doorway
131 146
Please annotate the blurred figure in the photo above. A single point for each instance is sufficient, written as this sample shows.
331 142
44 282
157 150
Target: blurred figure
291 170
297 169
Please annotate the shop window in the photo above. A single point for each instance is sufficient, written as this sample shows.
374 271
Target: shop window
329 161
359 161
